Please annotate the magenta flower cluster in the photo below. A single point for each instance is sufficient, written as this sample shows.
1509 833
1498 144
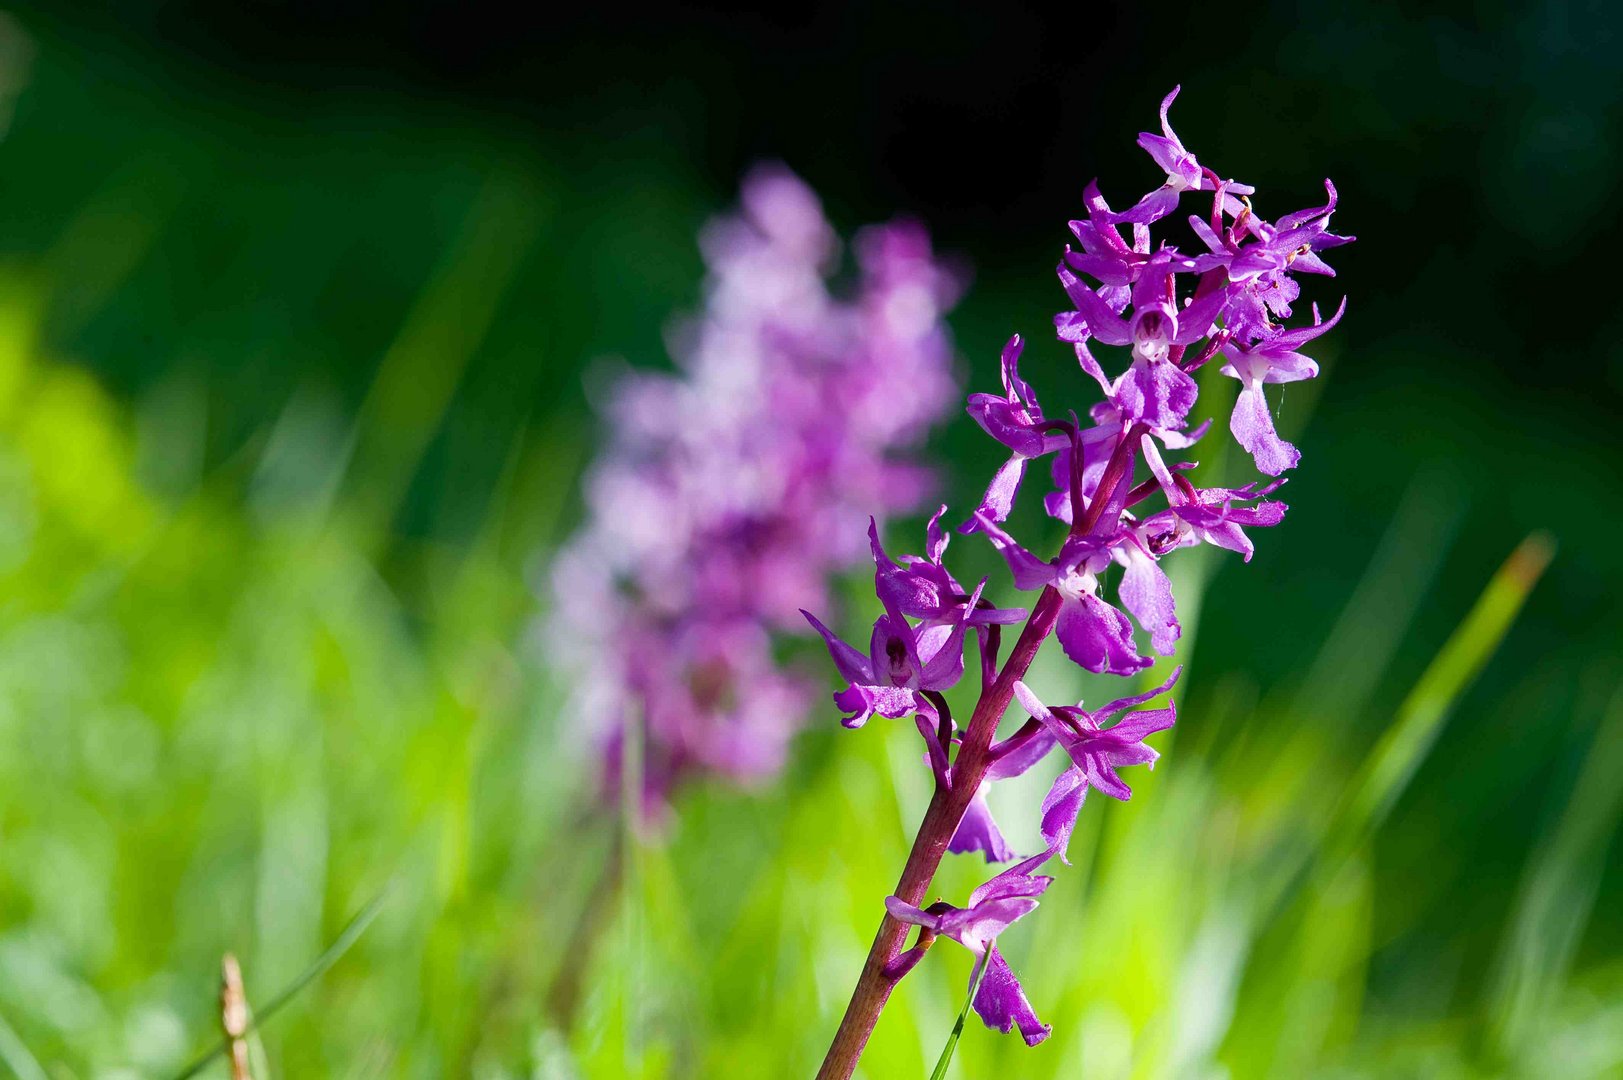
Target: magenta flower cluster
1168 313
735 486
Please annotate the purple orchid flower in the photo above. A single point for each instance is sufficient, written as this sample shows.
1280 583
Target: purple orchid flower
902 662
1096 751
1015 420
1259 258
999 999
978 831
1125 292
1183 173
1105 255
1146 591
1216 516
924 589
1273 359
728 493
1154 390
1091 632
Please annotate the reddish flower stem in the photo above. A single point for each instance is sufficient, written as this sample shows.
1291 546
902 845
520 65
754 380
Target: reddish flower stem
879 972
941 820
1119 465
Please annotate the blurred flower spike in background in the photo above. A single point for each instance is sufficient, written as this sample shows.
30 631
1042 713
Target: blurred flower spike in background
734 488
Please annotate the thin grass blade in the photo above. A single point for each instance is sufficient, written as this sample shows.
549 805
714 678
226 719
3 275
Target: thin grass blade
14 1053
329 956
945 1060
1420 718
1558 893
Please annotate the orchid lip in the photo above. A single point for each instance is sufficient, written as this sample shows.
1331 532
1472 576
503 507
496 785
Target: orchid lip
1153 331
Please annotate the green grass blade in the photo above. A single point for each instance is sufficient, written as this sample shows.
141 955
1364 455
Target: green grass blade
329 956
1367 633
446 326
1420 718
945 1060
15 1054
1558 893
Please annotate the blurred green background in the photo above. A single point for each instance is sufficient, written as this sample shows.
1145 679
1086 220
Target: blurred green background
294 311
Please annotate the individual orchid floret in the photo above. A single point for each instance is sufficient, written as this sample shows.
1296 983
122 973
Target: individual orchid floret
991 911
1091 632
902 663
1273 359
1105 255
1016 421
999 999
1299 237
924 589
1292 243
1157 321
1100 238
1154 390
1259 258
1216 516
1096 751
1146 591
1183 173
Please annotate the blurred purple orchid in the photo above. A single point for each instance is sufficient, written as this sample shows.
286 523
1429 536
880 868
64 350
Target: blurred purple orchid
733 489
